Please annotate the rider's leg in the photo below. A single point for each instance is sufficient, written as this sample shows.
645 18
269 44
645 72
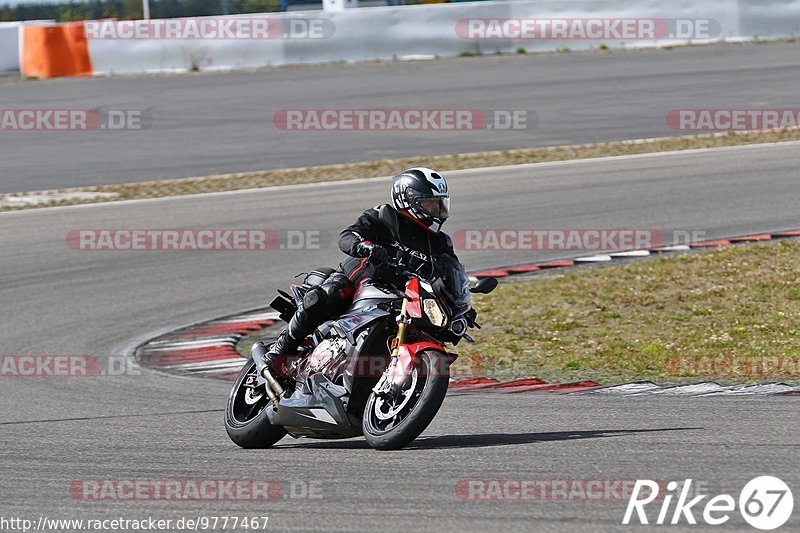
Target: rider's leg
320 303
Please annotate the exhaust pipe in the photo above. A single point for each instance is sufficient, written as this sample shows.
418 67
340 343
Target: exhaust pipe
272 387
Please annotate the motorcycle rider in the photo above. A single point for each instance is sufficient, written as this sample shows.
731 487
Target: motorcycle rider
410 225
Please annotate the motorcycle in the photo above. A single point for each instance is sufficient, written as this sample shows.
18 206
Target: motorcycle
380 370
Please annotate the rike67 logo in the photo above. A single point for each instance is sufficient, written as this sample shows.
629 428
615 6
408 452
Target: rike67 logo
765 503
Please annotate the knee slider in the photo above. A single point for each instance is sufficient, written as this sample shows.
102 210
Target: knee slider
339 290
314 301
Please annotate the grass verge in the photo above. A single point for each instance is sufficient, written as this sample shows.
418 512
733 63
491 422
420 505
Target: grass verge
731 315
386 167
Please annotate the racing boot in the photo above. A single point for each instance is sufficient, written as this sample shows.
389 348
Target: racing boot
287 343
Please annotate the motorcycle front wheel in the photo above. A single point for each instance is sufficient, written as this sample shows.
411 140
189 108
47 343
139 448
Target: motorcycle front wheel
246 419
392 424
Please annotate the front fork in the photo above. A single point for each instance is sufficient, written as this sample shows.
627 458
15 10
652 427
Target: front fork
390 376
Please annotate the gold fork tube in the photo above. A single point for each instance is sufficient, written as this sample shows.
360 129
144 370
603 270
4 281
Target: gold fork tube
401 329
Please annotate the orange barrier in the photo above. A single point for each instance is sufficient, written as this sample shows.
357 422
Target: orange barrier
53 51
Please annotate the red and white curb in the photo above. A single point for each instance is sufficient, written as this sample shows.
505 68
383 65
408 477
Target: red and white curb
493 386
208 349
706 388
639 388
504 272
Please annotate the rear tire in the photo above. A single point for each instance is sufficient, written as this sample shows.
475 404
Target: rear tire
430 387
246 419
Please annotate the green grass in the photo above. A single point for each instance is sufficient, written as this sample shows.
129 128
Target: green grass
731 314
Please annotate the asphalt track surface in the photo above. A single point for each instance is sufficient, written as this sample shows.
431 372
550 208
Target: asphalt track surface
146 425
202 124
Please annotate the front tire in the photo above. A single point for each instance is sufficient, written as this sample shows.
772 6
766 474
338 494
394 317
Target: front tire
392 425
246 419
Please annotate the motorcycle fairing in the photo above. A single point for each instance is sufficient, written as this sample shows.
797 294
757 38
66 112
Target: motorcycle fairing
320 414
318 406
351 324
368 296
413 303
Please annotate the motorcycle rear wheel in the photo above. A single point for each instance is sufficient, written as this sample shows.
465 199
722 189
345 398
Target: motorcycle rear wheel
393 425
246 419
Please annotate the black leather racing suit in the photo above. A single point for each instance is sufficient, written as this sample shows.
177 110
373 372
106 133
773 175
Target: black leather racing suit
385 226
382 225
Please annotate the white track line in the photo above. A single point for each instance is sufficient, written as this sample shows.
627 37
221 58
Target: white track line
626 388
695 389
676 248
169 346
272 315
600 258
631 253
766 388
208 366
452 173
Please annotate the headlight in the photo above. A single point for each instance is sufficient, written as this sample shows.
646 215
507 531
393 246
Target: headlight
434 313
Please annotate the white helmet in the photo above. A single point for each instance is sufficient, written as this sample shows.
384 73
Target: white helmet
421 193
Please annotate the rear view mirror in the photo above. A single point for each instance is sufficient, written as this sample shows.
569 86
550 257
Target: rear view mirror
484 286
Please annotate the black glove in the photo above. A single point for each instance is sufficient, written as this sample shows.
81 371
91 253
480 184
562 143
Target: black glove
377 254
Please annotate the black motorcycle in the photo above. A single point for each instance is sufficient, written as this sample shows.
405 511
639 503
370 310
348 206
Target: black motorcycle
380 370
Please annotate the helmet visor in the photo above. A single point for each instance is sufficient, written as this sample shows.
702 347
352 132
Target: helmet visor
435 206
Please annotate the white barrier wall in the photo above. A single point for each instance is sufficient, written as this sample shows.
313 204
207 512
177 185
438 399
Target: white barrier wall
10 43
769 19
392 32
130 56
9 46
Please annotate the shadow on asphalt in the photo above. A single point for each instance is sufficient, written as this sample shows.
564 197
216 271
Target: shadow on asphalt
483 440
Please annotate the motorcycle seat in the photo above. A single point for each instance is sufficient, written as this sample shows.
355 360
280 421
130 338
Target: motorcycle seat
318 276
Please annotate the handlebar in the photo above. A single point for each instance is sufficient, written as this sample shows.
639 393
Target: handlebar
397 263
